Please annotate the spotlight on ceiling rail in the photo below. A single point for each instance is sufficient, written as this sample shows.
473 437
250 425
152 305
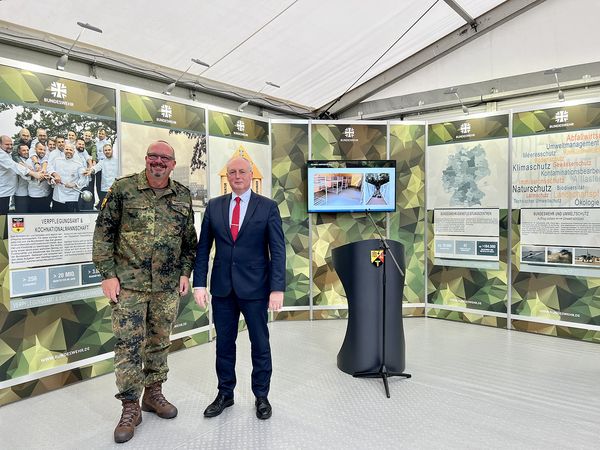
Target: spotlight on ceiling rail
62 61
454 91
247 102
172 85
555 72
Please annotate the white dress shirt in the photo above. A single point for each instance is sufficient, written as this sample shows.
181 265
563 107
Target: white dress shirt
9 174
83 156
100 149
110 171
71 172
54 155
38 188
22 182
245 198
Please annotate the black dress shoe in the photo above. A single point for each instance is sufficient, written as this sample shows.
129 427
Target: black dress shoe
217 407
263 408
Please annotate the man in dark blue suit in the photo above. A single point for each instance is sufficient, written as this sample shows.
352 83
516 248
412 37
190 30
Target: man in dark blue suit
248 276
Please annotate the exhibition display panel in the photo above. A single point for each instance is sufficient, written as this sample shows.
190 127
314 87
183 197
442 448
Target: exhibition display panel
467 206
556 219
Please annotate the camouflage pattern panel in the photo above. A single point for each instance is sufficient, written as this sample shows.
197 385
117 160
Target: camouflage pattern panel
147 240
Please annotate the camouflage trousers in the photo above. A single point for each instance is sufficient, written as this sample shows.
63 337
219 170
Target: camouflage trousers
142 323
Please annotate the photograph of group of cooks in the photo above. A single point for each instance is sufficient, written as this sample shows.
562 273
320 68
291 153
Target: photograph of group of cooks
71 160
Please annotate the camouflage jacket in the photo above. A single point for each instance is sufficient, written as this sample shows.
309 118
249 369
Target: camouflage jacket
144 240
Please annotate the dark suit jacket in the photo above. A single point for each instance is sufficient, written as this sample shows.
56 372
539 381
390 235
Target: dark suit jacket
254 265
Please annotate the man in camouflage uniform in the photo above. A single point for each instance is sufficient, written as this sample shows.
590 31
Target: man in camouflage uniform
144 248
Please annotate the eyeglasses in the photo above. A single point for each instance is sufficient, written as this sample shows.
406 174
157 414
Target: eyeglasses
155 157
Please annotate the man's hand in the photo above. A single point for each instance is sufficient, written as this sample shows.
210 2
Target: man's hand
184 285
201 297
111 289
276 300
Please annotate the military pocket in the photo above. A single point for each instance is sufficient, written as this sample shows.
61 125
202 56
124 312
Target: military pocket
183 211
135 218
181 207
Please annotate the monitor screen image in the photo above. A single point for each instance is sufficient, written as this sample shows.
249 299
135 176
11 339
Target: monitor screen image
351 186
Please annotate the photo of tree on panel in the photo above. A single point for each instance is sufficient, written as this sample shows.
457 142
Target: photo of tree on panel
190 154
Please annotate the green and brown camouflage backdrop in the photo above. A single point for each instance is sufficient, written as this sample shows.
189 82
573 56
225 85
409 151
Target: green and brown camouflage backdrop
289 145
368 141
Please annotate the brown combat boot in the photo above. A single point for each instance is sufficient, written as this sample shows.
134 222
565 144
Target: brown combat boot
154 401
131 417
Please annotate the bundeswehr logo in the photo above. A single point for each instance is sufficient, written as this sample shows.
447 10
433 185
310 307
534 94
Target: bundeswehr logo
166 111
58 90
465 128
561 116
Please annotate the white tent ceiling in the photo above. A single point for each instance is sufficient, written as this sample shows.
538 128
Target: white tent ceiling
314 49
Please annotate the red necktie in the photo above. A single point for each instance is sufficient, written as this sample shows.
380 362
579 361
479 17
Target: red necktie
235 219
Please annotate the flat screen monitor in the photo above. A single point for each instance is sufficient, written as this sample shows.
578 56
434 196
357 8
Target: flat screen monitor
351 186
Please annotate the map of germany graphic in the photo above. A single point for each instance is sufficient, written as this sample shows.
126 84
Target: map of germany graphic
465 169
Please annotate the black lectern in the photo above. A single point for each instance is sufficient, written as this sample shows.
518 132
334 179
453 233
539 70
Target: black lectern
374 337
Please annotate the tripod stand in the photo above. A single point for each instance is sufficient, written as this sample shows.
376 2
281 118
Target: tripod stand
383 372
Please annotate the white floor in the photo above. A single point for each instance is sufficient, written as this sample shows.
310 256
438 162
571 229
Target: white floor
473 387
